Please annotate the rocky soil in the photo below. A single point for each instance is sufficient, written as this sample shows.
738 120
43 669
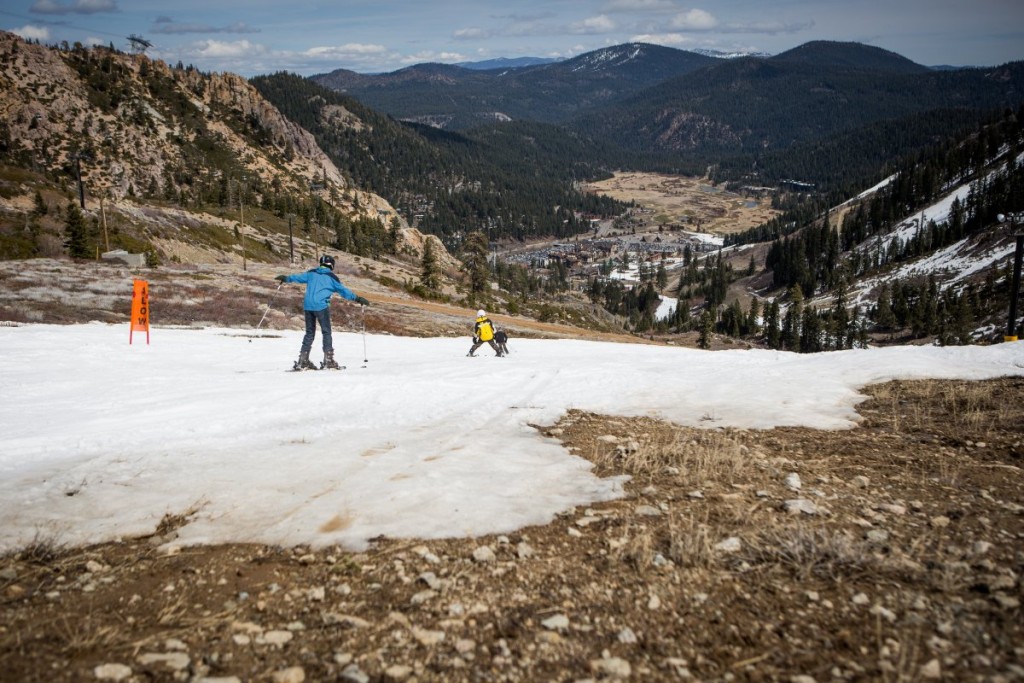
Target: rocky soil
892 551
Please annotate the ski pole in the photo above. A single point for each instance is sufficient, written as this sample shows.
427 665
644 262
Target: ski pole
362 313
264 313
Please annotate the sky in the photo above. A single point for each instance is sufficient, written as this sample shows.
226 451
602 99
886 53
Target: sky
252 37
102 438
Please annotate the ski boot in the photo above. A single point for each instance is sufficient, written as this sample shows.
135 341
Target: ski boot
303 363
329 362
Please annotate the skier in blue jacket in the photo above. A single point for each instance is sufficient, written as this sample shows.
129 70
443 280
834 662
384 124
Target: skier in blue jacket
321 283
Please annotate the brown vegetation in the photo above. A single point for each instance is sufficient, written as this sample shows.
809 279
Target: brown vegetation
901 562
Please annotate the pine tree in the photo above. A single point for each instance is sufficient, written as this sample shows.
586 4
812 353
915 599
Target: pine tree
474 261
707 326
75 232
39 208
429 269
772 333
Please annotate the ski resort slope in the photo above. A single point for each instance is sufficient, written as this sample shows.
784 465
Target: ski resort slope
102 439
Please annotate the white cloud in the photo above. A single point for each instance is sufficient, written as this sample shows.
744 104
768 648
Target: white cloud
472 33
425 57
75 7
346 51
591 25
668 39
694 20
30 32
218 49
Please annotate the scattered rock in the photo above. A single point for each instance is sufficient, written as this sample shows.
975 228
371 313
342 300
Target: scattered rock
112 672
293 674
647 511
484 554
615 668
793 482
796 506
729 545
175 661
558 622
931 670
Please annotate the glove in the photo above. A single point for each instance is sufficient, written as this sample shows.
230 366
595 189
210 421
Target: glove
281 278
361 301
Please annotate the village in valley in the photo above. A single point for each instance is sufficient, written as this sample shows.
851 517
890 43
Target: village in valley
673 219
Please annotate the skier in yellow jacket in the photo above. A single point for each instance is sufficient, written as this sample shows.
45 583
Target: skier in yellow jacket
483 332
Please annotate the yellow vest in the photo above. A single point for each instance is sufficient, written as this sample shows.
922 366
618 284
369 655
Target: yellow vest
485 329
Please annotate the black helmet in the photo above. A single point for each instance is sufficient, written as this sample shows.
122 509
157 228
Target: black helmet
327 261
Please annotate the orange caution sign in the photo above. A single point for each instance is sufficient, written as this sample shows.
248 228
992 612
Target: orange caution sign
140 309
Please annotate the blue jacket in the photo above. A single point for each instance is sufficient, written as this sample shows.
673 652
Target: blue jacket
321 283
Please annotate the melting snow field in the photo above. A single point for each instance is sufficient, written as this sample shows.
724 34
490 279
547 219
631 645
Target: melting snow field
100 439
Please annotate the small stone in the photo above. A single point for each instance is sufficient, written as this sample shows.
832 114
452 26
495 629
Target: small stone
423 597
8 573
293 674
729 545
397 672
860 599
612 667
430 578
608 438
893 509
802 678
484 554
175 661
931 670
427 637
524 550
557 622
860 482
695 495
884 612
981 547
647 511
793 482
353 674
796 506
1006 601
878 536
627 636
278 638
94 567
939 522
112 672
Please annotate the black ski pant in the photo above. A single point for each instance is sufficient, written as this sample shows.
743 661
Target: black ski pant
313 318
477 344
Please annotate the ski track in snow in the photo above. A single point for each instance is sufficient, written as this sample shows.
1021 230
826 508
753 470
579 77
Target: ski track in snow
102 439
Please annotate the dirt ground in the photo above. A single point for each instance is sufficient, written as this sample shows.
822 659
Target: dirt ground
692 202
892 551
